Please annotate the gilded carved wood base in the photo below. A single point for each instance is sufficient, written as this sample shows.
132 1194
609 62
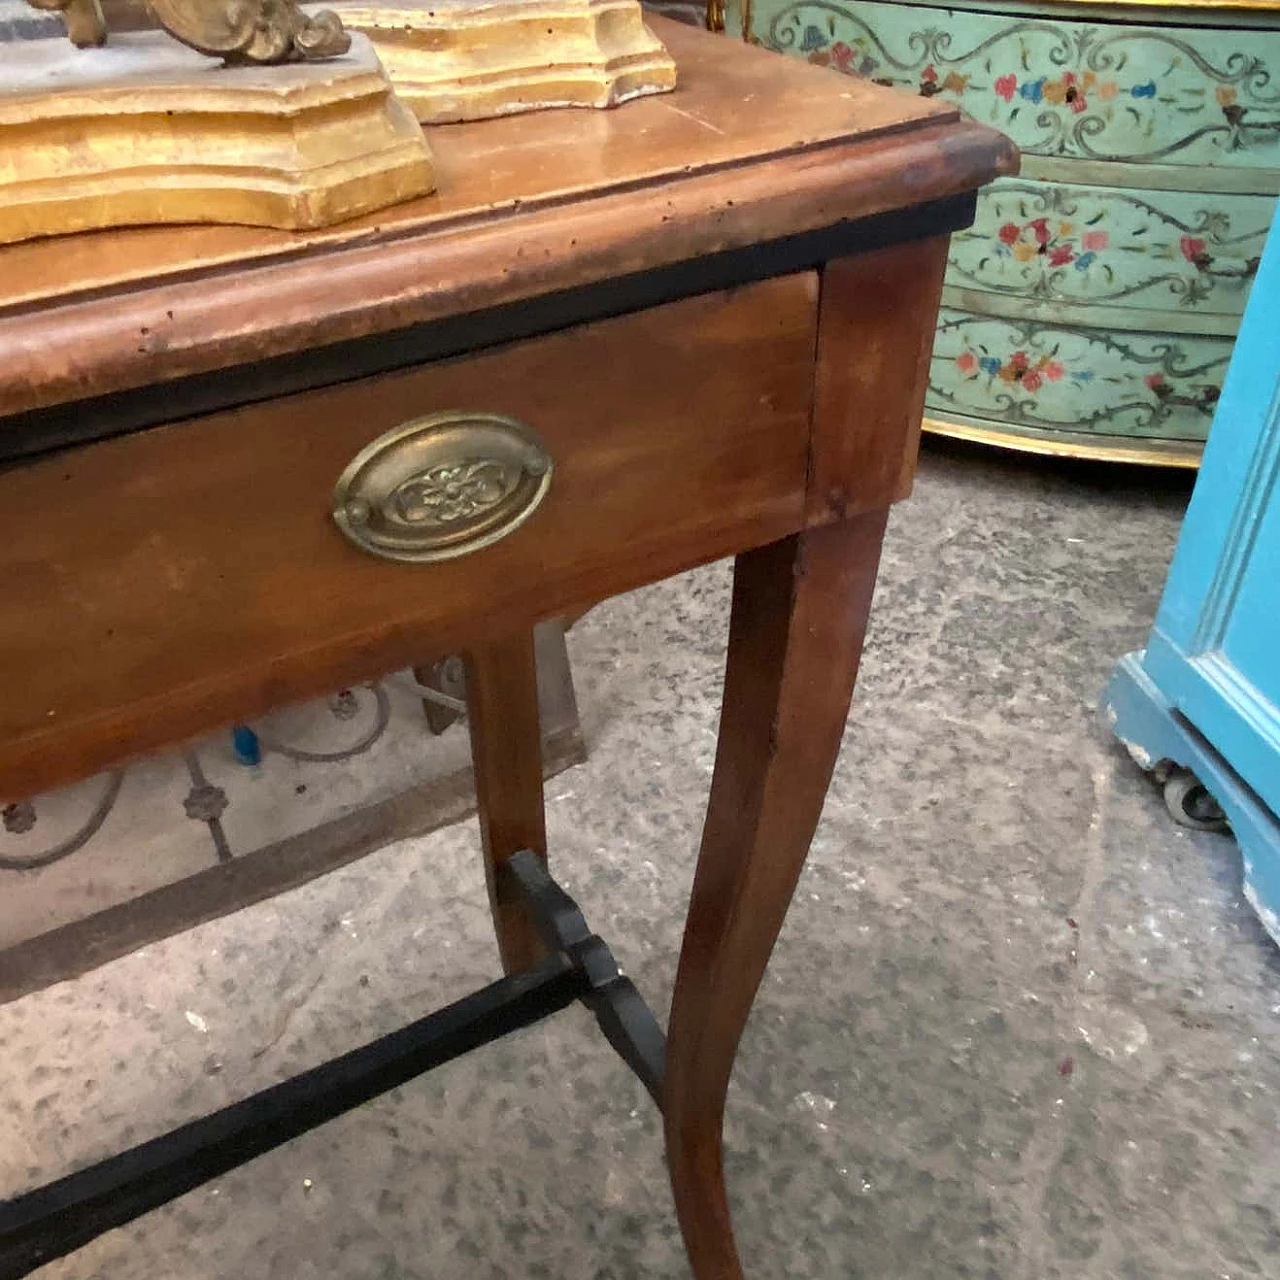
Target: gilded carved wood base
1066 444
237 31
142 131
456 60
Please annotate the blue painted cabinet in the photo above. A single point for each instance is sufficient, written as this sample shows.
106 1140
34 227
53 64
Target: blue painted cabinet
1201 705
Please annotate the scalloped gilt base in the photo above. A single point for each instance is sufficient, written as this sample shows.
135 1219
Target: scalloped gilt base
1070 444
141 132
454 60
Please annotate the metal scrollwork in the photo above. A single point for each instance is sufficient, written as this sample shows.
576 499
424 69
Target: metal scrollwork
344 706
20 819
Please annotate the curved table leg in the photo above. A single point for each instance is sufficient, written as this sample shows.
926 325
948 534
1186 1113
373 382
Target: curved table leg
795 636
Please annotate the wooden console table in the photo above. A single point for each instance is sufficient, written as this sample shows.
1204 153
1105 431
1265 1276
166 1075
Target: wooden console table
243 468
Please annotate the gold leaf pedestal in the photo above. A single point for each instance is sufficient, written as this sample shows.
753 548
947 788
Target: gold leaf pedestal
470 59
144 130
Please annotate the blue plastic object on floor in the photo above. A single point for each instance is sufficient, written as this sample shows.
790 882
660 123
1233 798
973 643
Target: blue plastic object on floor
1203 698
244 742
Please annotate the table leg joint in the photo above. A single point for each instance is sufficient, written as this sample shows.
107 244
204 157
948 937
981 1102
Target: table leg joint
52 1221
626 1021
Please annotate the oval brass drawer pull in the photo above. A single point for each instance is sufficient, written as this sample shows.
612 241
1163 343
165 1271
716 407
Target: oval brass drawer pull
442 486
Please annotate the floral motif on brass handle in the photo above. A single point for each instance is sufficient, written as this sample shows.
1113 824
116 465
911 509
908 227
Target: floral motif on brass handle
446 494
441 487
237 31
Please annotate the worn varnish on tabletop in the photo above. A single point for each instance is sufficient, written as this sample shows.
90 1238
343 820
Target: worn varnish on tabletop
748 149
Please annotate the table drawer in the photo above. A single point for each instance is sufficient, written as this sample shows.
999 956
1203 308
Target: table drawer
163 582
1175 251
1065 377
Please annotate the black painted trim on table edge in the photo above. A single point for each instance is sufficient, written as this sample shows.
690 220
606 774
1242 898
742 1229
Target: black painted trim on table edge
83 421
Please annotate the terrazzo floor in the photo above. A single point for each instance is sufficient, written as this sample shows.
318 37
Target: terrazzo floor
1019 1026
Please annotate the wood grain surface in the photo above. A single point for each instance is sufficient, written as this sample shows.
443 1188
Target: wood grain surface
168 581
796 629
876 328
164 582
506 755
749 148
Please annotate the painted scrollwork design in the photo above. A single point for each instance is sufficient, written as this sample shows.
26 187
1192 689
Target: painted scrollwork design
1092 244
1057 376
1109 92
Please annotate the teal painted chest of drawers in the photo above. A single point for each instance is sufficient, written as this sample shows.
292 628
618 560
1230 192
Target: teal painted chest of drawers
1092 307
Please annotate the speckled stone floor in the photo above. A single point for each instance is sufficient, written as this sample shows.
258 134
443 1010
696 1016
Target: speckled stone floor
1019 1025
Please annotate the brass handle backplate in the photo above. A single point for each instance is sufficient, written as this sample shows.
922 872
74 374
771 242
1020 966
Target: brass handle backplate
442 486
